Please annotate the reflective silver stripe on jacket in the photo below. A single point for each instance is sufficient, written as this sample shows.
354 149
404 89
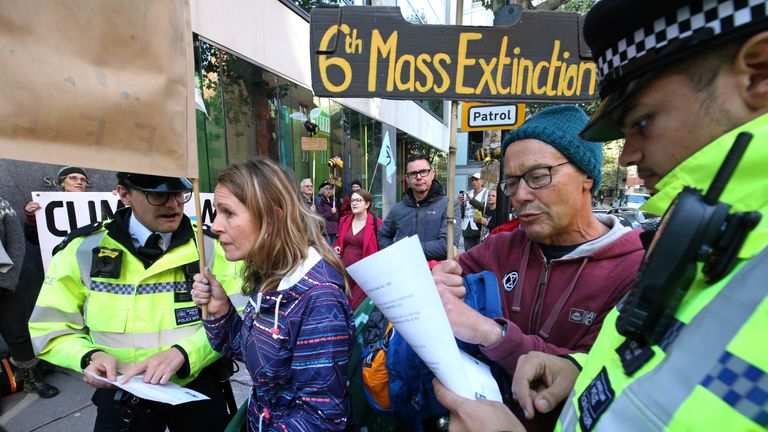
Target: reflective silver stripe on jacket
38 343
209 245
650 401
238 300
144 340
51 314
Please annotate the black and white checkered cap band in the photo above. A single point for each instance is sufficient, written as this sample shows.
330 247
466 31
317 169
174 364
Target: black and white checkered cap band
721 16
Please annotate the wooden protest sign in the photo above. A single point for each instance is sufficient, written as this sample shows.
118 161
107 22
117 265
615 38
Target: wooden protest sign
314 144
364 51
103 84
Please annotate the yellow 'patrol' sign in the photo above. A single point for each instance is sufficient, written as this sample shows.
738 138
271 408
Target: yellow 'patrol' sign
365 51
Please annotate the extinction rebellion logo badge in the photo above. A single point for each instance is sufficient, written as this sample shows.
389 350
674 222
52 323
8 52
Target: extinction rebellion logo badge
510 281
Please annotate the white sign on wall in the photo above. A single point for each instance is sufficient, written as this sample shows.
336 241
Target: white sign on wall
63 212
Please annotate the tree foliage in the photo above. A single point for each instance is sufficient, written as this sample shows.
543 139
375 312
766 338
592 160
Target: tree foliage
563 5
307 5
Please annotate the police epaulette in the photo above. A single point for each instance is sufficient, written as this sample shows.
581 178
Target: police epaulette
79 232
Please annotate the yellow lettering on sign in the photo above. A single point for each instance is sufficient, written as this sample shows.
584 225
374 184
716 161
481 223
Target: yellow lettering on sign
503 61
487 76
387 49
324 62
463 61
421 64
408 85
553 64
583 68
441 71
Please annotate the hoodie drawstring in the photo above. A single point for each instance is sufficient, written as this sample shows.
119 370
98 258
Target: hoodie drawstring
275 330
264 414
257 305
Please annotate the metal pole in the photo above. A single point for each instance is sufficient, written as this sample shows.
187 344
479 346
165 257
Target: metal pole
451 174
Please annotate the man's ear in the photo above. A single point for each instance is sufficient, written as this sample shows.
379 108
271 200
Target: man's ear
122 192
753 61
588 183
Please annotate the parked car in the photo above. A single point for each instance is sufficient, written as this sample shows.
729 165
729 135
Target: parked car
634 200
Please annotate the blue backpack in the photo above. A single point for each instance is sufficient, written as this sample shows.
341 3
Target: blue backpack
394 379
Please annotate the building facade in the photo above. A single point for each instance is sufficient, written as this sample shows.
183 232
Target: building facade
252 67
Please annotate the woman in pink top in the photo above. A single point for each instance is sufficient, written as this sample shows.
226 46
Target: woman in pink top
357 237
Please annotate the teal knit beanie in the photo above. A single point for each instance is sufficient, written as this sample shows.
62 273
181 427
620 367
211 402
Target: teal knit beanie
559 126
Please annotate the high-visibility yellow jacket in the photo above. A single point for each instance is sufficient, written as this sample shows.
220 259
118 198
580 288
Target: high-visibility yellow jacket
89 302
711 370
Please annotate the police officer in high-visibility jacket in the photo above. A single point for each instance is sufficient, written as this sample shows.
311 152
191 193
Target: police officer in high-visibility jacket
688 348
116 300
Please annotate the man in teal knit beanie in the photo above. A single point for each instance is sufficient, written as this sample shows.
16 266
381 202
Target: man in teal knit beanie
559 126
563 269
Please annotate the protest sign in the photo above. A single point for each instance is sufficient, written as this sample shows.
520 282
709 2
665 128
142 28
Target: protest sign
102 84
364 51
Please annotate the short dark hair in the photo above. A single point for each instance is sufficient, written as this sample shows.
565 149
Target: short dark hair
702 68
356 182
418 156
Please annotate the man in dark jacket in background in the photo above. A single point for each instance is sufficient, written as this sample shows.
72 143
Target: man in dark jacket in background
421 212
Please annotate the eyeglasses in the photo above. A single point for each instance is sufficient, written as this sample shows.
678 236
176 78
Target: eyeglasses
160 198
356 200
307 185
413 175
535 178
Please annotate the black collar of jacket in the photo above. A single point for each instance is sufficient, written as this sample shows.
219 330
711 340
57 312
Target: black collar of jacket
118 230
435 192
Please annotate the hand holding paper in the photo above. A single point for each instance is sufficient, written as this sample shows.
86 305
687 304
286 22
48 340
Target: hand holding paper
398 281
170 393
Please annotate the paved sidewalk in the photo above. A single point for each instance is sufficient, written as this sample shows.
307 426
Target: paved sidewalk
71 409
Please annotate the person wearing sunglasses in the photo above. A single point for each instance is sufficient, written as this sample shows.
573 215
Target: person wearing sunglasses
422 211
564 269
133 274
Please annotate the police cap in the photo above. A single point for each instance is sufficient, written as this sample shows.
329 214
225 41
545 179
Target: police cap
633 39
152 183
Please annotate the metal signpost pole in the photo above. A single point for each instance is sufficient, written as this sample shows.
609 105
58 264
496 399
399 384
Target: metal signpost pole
451 174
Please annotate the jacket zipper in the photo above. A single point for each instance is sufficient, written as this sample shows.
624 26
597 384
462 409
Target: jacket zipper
539 298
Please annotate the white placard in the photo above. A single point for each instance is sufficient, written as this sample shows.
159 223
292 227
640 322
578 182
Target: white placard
63 212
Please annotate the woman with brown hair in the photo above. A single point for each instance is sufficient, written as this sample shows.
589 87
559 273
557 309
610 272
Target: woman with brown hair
296 333
357 237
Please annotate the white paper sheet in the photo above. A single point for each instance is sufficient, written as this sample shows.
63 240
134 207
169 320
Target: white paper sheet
398 281
170 393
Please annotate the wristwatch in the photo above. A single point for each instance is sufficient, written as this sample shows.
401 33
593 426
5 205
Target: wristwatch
85 360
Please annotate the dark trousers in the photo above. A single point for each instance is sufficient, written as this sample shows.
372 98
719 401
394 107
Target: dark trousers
13 325
149 416
470 242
